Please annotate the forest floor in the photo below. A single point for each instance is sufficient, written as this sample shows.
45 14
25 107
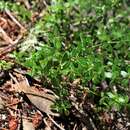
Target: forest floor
26 105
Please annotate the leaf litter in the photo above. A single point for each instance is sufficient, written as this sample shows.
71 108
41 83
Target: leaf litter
40 102
41 99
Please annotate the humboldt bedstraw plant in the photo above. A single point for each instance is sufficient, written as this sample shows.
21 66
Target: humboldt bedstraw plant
88 40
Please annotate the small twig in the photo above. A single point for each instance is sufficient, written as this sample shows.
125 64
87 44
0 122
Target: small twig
26 3
12 104
3 22
8 40
7 50
3 97
48 127
11 47
14 19
45 3
55 123
15 80
75 127
5 36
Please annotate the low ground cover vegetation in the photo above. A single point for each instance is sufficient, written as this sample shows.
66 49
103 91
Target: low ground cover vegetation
77 50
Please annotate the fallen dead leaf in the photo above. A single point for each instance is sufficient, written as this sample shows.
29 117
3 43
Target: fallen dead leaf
37 119
106 118
13 123
40 99
43 101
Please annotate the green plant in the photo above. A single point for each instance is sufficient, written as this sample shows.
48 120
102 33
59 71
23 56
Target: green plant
88 40
4 65
114 101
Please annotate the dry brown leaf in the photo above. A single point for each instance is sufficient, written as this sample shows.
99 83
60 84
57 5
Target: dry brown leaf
106 118
43 103
13 123
27 125
42 100
37 119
